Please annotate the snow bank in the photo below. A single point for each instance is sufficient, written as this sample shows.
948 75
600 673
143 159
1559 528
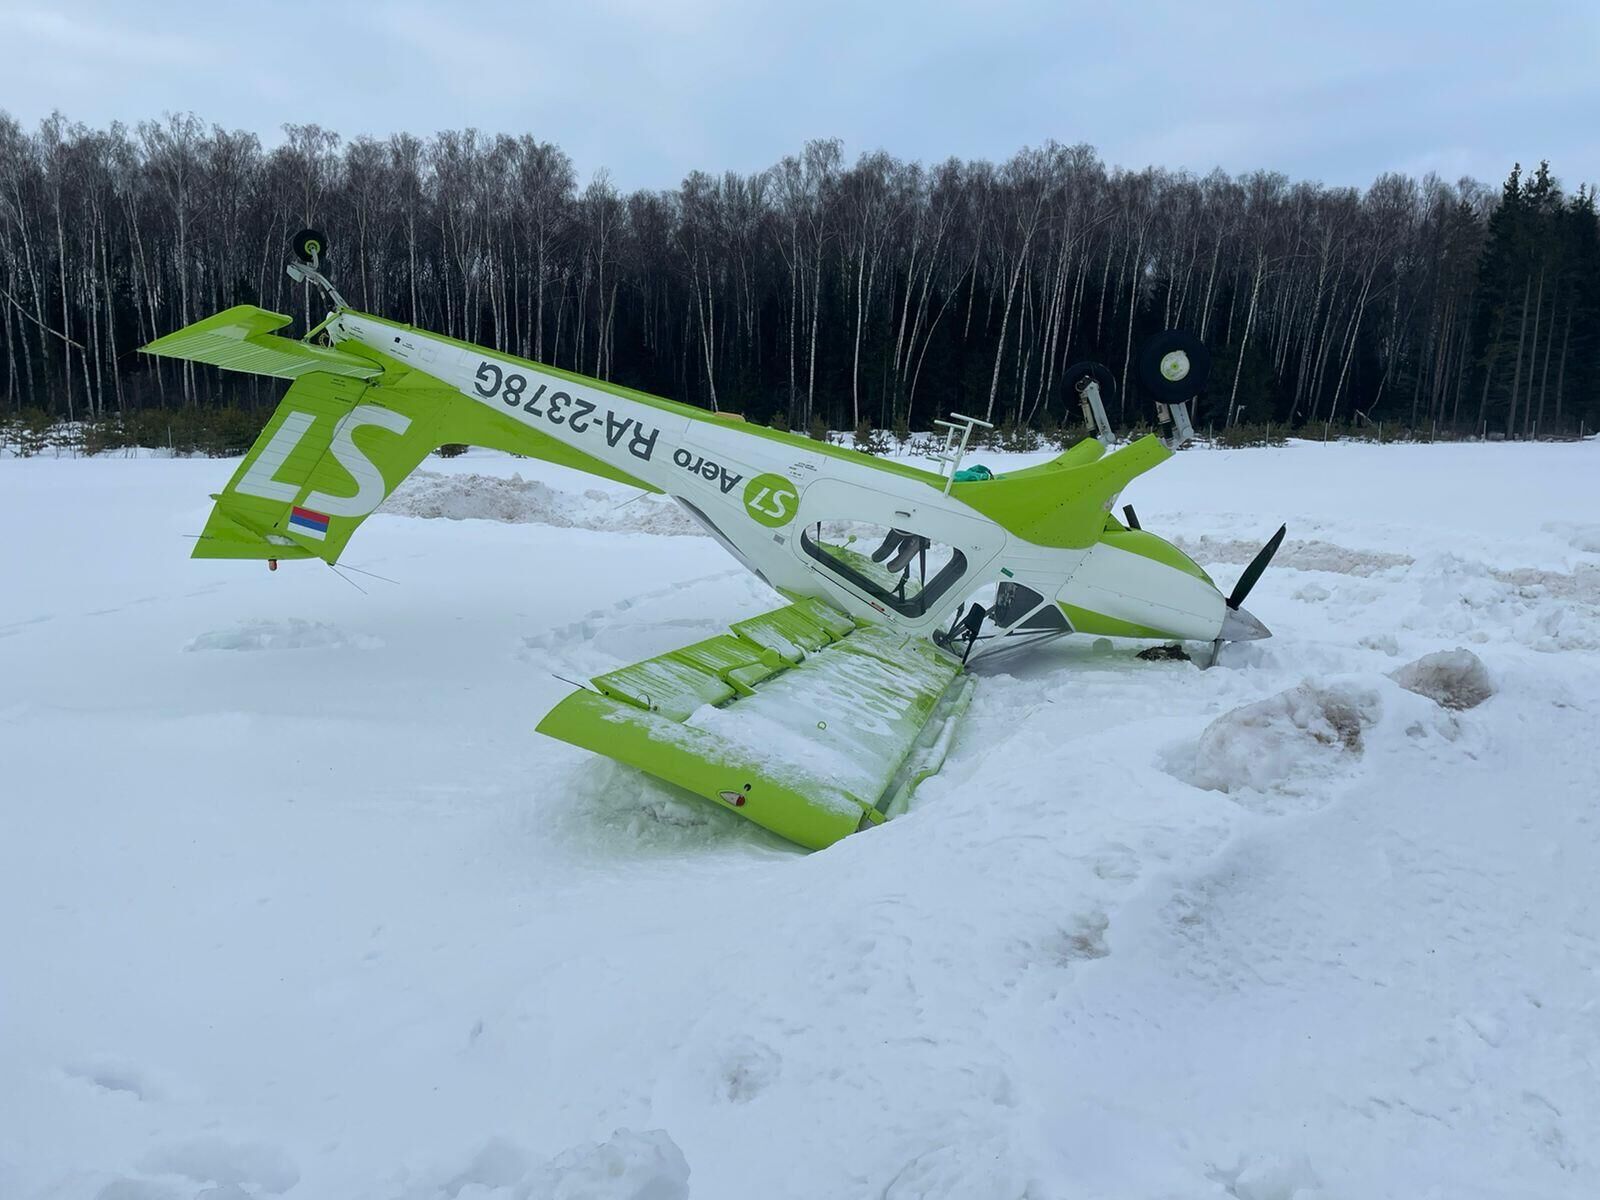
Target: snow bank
1451 678
1293 743
215 1160
1272 1177
1278 744
1457 596
1314 555
292 633
628 1166
519 501
342 916
1580 536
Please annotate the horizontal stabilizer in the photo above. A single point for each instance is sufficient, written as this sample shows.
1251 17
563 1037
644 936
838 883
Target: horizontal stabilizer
798 720
244 338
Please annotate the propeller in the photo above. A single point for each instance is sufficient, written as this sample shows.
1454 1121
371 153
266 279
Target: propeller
1257 565
1238 624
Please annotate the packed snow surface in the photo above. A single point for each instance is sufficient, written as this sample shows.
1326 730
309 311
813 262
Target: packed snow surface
326 918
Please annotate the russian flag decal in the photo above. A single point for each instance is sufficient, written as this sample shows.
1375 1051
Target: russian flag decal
308 523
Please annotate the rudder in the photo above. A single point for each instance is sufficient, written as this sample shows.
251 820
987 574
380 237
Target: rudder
331 454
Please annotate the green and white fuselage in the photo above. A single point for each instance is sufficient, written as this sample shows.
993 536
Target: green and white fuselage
758 489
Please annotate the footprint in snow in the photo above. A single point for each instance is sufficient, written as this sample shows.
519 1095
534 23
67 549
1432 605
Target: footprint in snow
113 1075
747 1069
1083 938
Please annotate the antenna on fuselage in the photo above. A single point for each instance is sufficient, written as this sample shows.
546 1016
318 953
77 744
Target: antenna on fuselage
958 432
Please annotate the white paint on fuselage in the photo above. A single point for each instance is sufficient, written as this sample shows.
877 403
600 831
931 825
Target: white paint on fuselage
1142 591
707 463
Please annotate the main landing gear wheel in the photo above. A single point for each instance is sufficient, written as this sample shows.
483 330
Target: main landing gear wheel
1078 374
1173 366
310 246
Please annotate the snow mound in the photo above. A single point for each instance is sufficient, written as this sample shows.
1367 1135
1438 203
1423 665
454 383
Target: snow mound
519 501
1272 1177
1583 538
113 1075
294 633
1301 556
629 1166
141 1189
1548 611
614 810
1292 744
1455 679
1275 743
211 1159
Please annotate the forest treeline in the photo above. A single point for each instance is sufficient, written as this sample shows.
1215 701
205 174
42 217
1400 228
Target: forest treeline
816 292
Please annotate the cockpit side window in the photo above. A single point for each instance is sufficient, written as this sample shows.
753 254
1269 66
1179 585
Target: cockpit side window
900 568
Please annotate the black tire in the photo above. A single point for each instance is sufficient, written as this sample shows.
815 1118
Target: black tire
1174 366
1078 372
310 246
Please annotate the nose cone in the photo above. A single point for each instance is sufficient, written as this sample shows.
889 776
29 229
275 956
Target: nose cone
1238 625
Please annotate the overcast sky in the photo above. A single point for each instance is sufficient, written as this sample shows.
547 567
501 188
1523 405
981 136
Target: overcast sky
650 89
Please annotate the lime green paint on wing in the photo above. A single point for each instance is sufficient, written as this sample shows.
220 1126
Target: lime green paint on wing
872 696
723 772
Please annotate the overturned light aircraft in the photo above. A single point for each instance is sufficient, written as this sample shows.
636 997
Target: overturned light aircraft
817 719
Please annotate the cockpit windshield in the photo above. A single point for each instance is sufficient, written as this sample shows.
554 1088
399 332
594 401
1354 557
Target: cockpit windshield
901 568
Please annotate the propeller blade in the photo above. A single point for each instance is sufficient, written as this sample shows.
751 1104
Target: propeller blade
1257 565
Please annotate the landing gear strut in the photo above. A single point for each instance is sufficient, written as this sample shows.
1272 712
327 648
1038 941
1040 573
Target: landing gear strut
963 631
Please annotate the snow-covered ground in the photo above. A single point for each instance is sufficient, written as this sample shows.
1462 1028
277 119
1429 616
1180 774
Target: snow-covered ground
293 901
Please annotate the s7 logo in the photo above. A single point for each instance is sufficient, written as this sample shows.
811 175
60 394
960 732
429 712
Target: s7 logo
771 500
261 477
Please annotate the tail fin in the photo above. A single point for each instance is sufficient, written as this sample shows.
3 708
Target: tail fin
332 452
334 449
352 426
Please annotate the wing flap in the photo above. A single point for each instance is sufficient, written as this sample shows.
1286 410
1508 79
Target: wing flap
793 632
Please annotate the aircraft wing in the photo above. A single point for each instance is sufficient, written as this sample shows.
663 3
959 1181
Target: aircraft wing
798 719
